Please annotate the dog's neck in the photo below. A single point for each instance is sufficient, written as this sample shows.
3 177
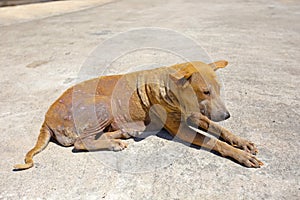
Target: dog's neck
157 88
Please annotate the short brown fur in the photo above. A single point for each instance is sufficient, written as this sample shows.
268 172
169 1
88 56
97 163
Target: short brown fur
99 113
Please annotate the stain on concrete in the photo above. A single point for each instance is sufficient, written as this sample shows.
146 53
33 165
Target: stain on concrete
37 63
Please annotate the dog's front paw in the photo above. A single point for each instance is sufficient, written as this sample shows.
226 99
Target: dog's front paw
247 146
248 160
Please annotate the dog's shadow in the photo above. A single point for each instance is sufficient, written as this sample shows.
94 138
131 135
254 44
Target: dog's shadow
163 134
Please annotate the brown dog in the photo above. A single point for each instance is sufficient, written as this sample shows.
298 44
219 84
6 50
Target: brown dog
98 113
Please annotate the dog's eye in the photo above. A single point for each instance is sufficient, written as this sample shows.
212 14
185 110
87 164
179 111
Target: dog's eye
206 92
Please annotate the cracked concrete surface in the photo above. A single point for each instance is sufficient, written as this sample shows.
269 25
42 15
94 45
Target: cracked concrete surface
42 57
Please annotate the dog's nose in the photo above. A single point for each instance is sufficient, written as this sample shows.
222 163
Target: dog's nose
226 115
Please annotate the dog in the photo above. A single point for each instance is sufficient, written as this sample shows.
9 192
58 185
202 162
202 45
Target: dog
100 113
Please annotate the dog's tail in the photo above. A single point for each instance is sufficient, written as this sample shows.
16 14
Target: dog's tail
41 144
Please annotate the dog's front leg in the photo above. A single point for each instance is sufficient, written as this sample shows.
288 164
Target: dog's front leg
184 133
201 121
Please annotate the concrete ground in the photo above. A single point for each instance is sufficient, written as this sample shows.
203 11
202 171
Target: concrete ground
43 54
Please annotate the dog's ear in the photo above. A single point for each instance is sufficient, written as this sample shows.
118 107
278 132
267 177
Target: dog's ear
218 64
182 76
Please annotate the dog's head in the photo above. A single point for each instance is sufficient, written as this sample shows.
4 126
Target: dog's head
199 90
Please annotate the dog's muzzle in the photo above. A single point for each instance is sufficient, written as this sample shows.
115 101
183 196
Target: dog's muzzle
220 116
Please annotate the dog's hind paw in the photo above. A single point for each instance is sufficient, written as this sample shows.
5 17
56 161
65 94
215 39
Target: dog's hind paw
118 145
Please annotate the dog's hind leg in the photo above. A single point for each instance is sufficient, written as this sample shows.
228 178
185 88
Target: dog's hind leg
118 134
92 144
89 144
